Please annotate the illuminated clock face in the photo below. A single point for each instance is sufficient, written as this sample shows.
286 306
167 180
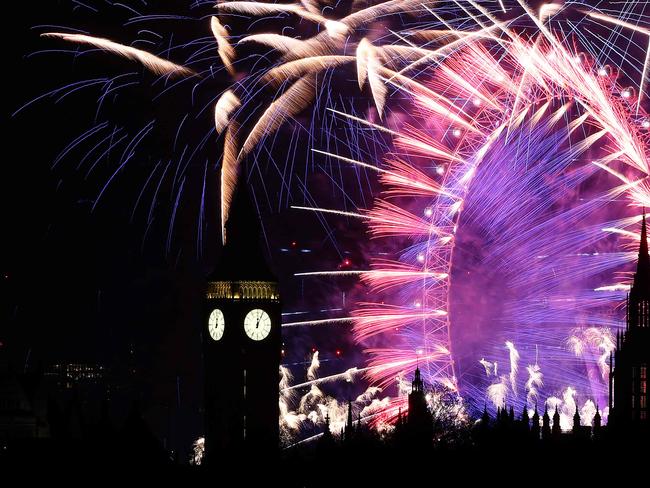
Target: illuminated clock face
257 324
216 324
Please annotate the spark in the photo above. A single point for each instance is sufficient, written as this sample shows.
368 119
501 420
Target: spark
348 375
619 22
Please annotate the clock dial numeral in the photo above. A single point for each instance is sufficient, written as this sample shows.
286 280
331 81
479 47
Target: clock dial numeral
216 324
257 324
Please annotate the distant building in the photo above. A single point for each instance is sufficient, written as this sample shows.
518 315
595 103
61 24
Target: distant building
67 375
417 428
51 401
513 431
628 385
18 417
419 417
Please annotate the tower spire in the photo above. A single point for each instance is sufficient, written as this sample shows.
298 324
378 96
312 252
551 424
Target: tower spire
417 384
242 257
639 297
576 421
349 423
644 258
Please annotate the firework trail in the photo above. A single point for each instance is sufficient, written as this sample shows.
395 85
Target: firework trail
514 365
489 367
153 63
312 372
534 383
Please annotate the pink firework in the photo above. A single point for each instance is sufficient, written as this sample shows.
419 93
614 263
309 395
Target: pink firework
486 98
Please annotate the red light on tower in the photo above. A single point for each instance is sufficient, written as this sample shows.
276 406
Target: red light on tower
338 353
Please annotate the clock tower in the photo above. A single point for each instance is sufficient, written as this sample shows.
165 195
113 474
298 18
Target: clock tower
241 342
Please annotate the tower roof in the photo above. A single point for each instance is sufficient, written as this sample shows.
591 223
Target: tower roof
417 384
242 257
642 275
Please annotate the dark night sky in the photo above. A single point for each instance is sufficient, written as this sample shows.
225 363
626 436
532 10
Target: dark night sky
81 285
79 280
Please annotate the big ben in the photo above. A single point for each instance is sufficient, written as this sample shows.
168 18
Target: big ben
241 341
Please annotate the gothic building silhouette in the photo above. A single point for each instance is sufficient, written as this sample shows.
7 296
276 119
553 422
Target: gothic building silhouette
628 380
417 428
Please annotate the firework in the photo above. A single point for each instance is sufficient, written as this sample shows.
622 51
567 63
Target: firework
510 115
302 60
198 450
513 125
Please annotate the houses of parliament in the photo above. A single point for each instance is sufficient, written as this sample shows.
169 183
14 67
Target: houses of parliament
241 332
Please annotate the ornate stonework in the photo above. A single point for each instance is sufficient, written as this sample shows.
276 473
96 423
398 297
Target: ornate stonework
243 290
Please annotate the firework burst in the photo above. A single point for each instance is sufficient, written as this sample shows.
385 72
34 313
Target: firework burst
503 129
526 151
